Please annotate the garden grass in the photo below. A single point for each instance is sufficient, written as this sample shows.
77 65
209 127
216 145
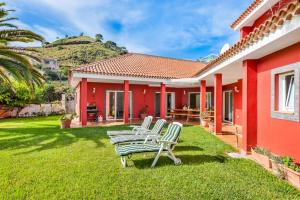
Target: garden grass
38 160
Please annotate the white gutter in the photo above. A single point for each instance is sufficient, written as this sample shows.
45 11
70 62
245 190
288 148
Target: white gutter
286 35
256 13
282 37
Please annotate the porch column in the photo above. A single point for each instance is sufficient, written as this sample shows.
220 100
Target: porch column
83 101
203 96
218 101
162 101
126 101
249 99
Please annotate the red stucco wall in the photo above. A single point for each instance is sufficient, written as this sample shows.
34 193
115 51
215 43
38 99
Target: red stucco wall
237 101
139 99
279 136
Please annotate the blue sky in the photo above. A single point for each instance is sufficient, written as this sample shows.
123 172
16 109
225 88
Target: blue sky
186 29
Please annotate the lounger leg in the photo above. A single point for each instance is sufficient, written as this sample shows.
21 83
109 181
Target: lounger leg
177 161
157 157
123 161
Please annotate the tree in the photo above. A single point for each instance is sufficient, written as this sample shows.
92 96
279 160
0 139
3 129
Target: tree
99 37
15 62
81 34
110 44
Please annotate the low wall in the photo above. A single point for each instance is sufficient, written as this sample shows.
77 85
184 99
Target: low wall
34 110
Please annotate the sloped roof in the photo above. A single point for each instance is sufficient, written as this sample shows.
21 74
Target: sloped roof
274 22
144 66
252 6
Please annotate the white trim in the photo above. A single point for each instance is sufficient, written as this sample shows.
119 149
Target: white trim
282 37
271 41
232 106
189 98
107 77
282 115
107 104
256 13
173 96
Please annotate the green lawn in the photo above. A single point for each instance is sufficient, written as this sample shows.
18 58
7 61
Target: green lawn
40 161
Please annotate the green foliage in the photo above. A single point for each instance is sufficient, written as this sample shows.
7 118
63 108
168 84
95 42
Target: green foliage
15 95
290 163
76 50
262 151
51 75
14 62
71 40
99 37
41 161
52 92
68 116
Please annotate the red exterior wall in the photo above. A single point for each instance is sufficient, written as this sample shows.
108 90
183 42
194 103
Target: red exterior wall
139 99
244 31
268 14
279 136
237 101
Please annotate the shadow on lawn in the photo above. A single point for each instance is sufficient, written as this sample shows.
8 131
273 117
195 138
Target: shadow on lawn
44 138
186 160
188 148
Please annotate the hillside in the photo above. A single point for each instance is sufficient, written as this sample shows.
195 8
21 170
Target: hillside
77 50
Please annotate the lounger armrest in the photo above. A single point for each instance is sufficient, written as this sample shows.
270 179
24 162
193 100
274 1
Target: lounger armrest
166 142
141 131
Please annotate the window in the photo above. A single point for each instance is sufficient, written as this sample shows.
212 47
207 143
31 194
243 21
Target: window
208 101
194 100
285 92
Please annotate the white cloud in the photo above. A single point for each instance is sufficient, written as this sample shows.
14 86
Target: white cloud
147 26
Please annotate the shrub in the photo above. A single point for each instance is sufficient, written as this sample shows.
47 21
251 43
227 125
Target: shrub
17 97
262 151
289 162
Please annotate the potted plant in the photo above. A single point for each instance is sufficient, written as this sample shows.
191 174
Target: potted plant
262 157
211 126
277 166
292 171
204 119
65 120
143 112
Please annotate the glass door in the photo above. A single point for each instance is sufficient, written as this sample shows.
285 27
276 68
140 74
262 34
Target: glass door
115 105
170 103
194 100
228 106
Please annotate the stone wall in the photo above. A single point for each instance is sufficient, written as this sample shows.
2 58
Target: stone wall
37 110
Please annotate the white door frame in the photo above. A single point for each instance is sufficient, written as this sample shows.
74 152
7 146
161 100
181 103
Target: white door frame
207 102
173 101
107 104
189 97
232 107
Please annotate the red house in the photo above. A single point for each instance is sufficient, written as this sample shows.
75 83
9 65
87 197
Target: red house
255 83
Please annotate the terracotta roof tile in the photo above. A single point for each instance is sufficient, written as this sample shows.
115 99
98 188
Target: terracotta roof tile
145 66
253 5
278 19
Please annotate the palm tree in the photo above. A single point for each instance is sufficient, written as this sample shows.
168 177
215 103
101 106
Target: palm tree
16 63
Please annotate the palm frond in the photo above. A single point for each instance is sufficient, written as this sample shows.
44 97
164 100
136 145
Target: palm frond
20 34
8 25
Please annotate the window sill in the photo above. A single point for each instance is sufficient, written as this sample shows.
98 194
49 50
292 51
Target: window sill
284 112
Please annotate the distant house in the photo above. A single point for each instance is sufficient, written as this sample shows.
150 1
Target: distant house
50 64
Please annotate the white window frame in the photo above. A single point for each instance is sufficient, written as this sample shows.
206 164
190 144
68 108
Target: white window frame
189 98
281 111
107 104
208 100
208 97
283 95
